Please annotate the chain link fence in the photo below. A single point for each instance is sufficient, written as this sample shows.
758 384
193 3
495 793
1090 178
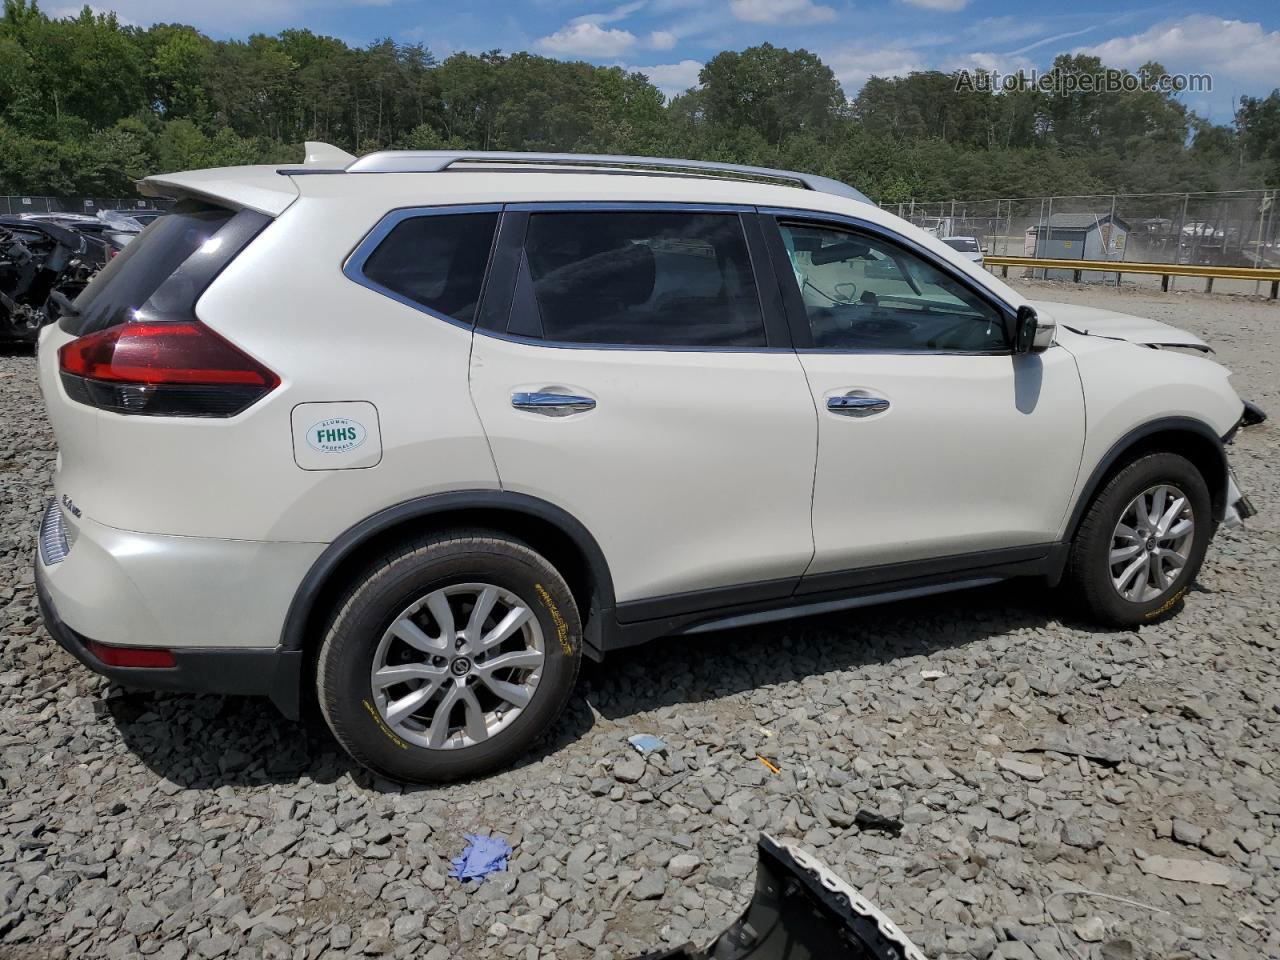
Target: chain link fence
16 205
1234 228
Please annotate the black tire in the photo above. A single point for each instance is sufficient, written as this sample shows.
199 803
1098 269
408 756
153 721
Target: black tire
1088 567
375 600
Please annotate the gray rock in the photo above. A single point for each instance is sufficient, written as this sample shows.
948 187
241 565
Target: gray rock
683 865
1013 950
1187 871
1188 833
1091 930
629 769
1022 768
1118 950
141 920
651 885
217 945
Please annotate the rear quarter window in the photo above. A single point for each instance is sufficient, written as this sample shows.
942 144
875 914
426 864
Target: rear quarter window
436 261
131 277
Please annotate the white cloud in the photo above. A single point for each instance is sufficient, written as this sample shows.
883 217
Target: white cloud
1005 64
1036 45
781 11
617 13
1234 51
232 17
947 6
1239 55
73 10
588 40
853 67
672 79
662 40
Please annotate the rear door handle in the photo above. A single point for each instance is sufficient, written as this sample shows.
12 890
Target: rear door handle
552 404
857 405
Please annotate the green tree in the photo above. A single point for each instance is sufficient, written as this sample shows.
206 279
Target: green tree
774 91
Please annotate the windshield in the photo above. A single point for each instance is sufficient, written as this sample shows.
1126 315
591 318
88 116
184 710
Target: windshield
129 280
963 244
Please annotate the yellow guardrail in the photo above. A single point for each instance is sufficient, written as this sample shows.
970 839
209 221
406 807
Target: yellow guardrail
1269 275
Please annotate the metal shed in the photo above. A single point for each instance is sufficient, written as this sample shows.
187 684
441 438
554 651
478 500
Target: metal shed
1079 236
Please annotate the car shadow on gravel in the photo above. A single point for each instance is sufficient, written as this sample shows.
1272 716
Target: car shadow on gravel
686 670
203 742
206 742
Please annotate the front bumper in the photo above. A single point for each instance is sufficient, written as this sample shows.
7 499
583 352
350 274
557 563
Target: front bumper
1238 508
249 671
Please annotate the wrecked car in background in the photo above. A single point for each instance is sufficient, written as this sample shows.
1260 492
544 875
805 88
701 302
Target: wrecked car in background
43 267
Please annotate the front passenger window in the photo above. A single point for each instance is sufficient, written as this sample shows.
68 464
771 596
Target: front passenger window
863 293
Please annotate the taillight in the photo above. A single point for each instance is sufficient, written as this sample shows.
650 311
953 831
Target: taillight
176 369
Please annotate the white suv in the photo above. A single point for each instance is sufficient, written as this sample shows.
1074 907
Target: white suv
413 433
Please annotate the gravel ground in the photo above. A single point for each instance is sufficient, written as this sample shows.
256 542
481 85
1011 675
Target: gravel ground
1030 757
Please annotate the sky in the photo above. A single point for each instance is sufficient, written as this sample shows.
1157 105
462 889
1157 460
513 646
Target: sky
1237 42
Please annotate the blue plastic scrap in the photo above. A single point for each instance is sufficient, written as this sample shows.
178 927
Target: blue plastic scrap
646 743
482 856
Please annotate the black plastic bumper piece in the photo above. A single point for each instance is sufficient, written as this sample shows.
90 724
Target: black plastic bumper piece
250 671
801 912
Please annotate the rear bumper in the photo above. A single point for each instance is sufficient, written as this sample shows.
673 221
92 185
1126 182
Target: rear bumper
151 590
251 671
217 606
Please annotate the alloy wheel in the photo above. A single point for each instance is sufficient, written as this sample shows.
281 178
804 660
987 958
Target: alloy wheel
457 666
1151 543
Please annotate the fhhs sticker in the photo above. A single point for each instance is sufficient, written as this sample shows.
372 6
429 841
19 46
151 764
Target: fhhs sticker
336 435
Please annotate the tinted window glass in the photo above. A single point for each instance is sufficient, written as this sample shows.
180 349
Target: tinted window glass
963 244
132 276
864 293
437 261
654 279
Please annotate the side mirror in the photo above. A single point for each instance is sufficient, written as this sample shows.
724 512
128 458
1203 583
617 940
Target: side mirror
1030 333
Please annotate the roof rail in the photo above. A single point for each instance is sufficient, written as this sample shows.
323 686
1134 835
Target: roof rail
434 161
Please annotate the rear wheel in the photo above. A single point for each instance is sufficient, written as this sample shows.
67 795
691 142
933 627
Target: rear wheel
449 657
1142 541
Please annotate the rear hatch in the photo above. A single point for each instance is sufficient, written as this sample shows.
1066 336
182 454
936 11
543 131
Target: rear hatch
131 363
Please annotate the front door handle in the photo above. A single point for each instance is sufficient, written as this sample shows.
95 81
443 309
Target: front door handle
857 405
552 404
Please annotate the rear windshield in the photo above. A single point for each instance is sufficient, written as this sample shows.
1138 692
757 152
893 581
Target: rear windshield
963 244
132 276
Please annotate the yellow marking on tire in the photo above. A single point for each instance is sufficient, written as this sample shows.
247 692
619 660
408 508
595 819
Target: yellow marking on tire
383 726
1167 605
562 628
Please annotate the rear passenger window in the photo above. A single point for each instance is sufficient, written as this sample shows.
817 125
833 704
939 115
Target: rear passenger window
436 261
652 279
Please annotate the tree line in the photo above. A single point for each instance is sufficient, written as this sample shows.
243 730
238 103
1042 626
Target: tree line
88 105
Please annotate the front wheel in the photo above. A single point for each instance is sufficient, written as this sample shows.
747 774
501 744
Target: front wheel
1142 541
449 657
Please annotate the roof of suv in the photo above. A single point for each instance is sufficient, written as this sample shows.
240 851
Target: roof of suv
270 189
429 178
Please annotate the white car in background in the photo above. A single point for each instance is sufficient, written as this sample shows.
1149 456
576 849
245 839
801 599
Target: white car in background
412 434
967 247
